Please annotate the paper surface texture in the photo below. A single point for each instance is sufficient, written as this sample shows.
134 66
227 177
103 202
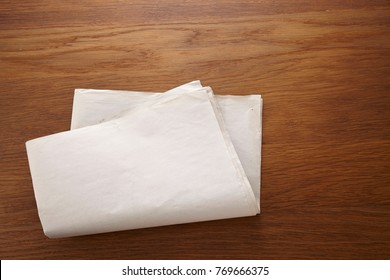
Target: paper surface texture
165 162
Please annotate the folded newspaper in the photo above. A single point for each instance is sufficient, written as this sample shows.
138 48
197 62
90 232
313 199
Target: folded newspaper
140 159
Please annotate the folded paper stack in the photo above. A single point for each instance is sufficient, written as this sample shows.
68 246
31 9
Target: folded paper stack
140 159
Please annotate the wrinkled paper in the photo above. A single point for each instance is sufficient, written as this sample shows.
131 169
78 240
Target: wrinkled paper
164 159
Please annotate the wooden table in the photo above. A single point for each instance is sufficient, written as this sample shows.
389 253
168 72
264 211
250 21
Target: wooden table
323 68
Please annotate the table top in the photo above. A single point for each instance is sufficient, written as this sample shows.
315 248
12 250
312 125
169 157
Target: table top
322 67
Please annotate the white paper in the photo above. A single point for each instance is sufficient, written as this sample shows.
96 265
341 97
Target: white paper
167 162
96 106
242 116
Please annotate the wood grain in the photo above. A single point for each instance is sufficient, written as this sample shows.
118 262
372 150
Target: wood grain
323 68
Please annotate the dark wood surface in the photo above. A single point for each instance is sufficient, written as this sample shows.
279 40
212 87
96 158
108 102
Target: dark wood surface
323 68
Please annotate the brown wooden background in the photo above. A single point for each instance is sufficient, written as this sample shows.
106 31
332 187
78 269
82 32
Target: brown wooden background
323 68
